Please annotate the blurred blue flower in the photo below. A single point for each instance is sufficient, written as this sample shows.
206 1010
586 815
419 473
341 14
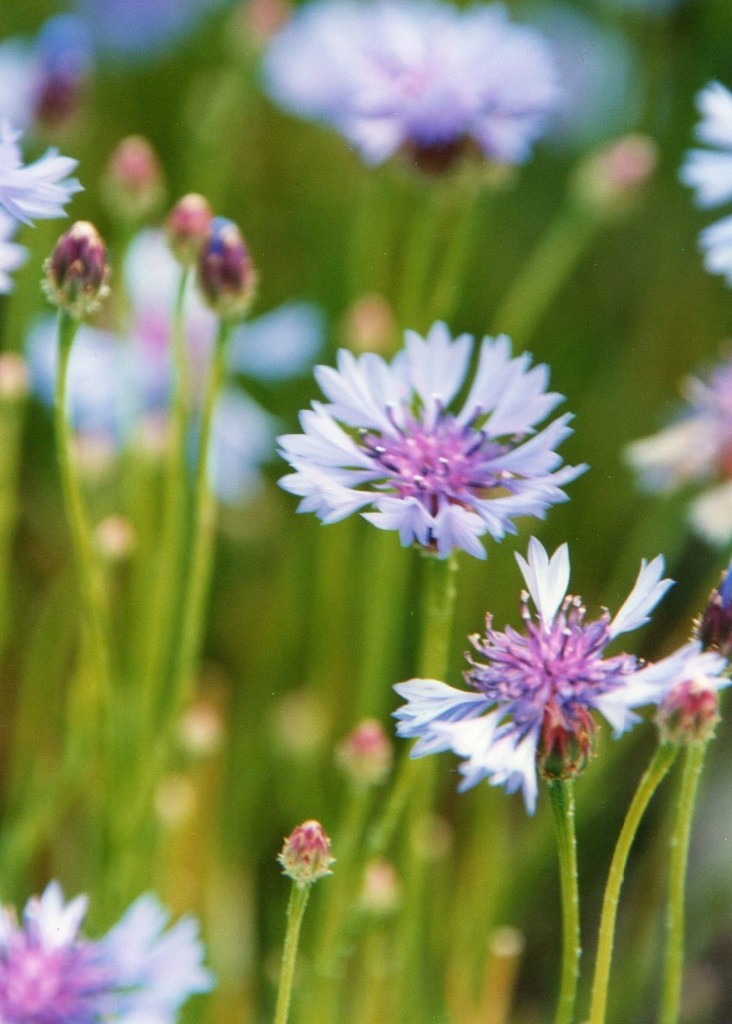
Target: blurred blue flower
138 29
138 971
34 191
536 691
115 381
12 255
709 173
387 440
417 76
40 78
697 447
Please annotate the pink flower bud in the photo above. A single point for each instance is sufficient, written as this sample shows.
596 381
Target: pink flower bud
566 742
366 754
306 855
76 272
133 182
689 712
187 227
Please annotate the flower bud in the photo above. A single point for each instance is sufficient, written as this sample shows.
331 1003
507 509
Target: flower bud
187 227
714 629
612 176
115 538
381 892
225 273
14 377
76 272
133 182
565 745
306 855
369 324
366 754
64 59
689 712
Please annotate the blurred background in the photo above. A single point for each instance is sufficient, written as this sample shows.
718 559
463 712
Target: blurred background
288 669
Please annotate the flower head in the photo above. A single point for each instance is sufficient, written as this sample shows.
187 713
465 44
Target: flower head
35 191
187 226
534 693
416 76
77 271
689 712
714 628
709 173
306 855
226 275
388 440
51 974
697 447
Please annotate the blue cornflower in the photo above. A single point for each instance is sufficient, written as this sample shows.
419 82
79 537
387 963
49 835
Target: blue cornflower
416 76
709 173
534 692
441 478
51 974
136 29
34 191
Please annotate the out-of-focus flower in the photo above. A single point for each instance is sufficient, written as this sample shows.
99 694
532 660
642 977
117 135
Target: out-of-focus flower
366 754
416 76
709 173
695 448
387 440
138 971
186 227
34 191
117 382
133 183
140 29
714 627
306 855
226 274
535 693
41 79
12 255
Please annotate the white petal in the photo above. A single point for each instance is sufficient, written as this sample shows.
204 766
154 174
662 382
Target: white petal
647 591
547 580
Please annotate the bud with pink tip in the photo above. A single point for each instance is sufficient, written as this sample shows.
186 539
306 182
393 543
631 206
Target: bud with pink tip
76 272
306 855
566 742
689 712
225 273
133 182
187 227
366 754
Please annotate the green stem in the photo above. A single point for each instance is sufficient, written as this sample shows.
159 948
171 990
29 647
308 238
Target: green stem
169 563
545 271
562 801
204 520
12 415
449 277
671 998
295 910
91 583
662 761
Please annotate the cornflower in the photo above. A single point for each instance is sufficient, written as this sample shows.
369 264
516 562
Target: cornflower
535 692
51 974
388 440
34 191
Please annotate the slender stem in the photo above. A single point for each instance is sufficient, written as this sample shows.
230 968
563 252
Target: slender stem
562 801
295 910
662 761
12 415
90 578
162 612
545 271
449 277
671 997
204 520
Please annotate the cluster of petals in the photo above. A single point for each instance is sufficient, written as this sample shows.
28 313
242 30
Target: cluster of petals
558 662
709 173
139 971
34 191
120 384
386 440
415 74
696 447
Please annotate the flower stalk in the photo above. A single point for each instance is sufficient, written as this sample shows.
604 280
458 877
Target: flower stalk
561 793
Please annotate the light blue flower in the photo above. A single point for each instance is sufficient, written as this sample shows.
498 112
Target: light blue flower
139 29
415 75
553 676
12 255
388 441
139 971
34 191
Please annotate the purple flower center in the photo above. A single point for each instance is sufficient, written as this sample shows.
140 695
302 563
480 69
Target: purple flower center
448 461
50 986
559 666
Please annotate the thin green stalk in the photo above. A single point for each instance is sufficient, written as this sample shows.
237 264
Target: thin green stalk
159 639
295 909
674 960
12 415
91 583
449 277
562 801
204 520
545 271
662 761
420 248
